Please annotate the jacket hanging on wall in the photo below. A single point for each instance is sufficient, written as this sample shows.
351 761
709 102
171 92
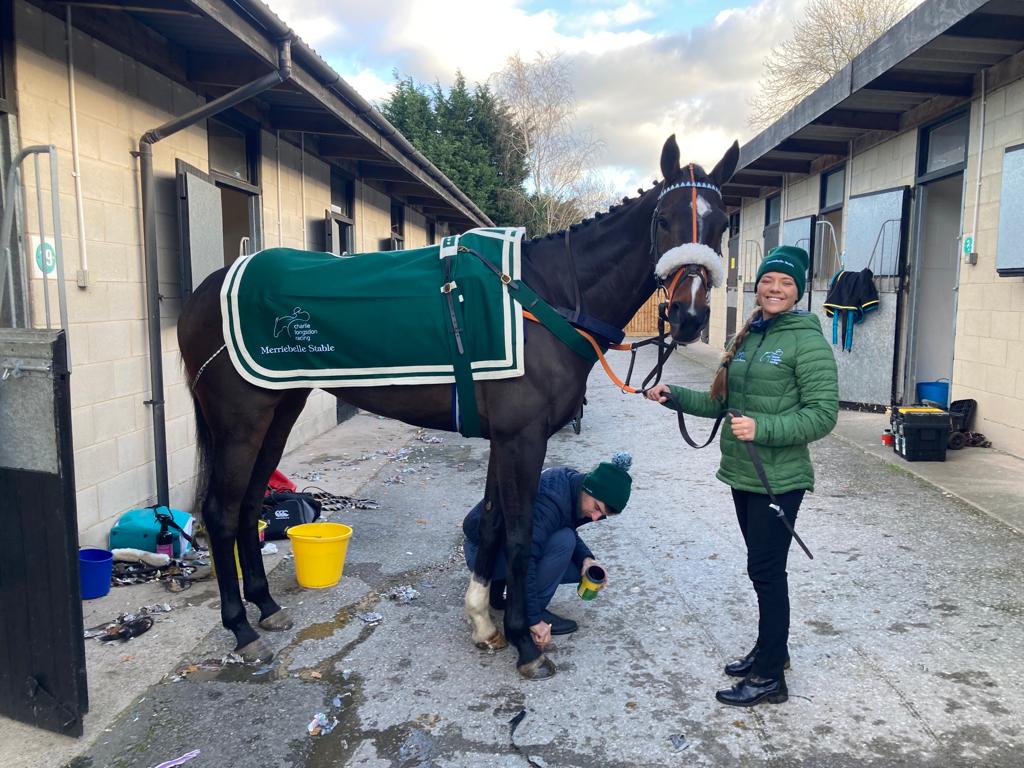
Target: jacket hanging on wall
851 295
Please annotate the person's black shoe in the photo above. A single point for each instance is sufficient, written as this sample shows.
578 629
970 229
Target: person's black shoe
559 626
753 690
742 667
497 598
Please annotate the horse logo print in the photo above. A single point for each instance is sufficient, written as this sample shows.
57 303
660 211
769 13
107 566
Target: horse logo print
288 322
774 357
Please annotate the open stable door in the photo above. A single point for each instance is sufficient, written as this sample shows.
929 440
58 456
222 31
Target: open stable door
201 224
42 650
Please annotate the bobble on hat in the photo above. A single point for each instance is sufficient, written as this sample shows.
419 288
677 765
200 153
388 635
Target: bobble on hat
623 460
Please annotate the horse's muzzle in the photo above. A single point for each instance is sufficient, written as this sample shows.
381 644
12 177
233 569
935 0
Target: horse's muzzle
686 324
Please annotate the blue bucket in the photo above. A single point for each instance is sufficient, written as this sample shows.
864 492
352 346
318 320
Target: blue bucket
936 391
95 567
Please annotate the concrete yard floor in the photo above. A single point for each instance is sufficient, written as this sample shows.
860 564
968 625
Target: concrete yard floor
905 627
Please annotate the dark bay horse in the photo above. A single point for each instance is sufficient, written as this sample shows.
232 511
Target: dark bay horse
242 429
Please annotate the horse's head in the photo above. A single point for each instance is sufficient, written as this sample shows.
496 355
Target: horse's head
686 237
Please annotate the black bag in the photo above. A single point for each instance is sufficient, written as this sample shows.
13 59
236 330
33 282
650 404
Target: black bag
283 509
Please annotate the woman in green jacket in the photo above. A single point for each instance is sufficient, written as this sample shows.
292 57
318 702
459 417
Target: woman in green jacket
779 372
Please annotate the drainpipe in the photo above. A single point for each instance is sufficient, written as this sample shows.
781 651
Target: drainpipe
145 155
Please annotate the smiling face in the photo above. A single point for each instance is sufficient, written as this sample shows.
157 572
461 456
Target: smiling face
776 293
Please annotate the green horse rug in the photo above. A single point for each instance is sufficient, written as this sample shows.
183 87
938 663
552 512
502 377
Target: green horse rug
295 319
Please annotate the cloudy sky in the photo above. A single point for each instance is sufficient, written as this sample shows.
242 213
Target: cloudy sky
642 69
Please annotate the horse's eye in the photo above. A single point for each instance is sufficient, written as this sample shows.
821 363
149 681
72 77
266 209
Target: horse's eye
662 223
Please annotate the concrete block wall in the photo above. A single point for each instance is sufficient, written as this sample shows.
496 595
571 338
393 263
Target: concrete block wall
884 166
802 198
989 354
117 101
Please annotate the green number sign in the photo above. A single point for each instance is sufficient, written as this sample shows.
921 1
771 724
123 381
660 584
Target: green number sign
46 258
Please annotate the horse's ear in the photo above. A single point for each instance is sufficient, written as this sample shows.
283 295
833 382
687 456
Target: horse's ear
726 166
670 159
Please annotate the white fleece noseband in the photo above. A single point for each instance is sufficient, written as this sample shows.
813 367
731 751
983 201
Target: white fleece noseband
691 253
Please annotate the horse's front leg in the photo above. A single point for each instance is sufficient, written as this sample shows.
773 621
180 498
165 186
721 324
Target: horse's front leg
520 459
485 635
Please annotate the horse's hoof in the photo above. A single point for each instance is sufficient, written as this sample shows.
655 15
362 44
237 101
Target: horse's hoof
277 621
540 668
495 642
257 650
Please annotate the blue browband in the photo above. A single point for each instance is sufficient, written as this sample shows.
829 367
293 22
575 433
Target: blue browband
682 184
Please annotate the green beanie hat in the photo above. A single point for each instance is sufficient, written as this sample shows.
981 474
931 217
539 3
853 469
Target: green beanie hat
789 260
610 482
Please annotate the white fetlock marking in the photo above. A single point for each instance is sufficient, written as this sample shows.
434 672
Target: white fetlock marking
478 610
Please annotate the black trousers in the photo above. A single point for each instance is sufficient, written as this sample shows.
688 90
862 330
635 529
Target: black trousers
767 552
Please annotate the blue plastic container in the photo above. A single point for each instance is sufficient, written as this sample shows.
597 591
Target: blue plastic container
935 391
95 567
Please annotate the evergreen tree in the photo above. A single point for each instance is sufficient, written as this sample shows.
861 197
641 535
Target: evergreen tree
463 132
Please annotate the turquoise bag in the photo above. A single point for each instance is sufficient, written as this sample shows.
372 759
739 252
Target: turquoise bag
138 528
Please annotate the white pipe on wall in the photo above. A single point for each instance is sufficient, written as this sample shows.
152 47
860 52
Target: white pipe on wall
280 232
82 277
977 190
302 185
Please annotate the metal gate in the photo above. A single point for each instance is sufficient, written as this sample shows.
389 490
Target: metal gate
42 650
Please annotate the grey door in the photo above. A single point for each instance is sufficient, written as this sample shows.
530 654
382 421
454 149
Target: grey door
42 651
876 226
732 288
201 225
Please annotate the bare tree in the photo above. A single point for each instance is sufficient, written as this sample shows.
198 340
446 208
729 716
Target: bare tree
562 185
827 38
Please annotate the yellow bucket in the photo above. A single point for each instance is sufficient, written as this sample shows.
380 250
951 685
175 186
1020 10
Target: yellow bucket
261 527
319 550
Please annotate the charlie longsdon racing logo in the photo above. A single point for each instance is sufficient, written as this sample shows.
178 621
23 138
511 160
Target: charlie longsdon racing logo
296 328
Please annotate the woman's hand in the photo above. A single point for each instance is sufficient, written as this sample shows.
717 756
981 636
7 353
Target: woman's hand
743 427
541 632
658 393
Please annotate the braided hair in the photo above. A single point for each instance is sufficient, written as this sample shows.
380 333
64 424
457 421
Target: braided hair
720 385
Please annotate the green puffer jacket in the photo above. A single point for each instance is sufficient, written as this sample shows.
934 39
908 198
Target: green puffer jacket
784 376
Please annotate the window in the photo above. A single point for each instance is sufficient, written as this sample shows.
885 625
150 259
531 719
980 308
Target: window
397 240
943 148
6 56
734 224
342 193
233 151
833 189
772 210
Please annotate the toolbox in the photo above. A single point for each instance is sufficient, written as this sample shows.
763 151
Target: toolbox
920 433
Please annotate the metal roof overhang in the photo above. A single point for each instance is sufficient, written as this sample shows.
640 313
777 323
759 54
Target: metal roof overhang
927 63
215 46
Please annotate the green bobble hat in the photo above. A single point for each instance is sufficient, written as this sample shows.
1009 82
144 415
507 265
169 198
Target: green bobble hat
610 482
789 260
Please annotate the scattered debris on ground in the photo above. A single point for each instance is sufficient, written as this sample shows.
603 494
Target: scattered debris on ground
403 595
320 725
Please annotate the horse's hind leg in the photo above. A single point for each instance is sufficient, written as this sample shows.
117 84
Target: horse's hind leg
485 635
254 578
239 438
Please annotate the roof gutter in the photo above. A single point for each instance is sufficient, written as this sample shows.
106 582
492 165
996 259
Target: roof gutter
266 18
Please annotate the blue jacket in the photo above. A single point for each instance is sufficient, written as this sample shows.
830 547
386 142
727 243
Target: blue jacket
556 506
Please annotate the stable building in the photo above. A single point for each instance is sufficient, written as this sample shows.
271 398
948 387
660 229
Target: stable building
186 134
909 163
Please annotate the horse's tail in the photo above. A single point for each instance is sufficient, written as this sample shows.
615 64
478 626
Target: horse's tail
204 460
